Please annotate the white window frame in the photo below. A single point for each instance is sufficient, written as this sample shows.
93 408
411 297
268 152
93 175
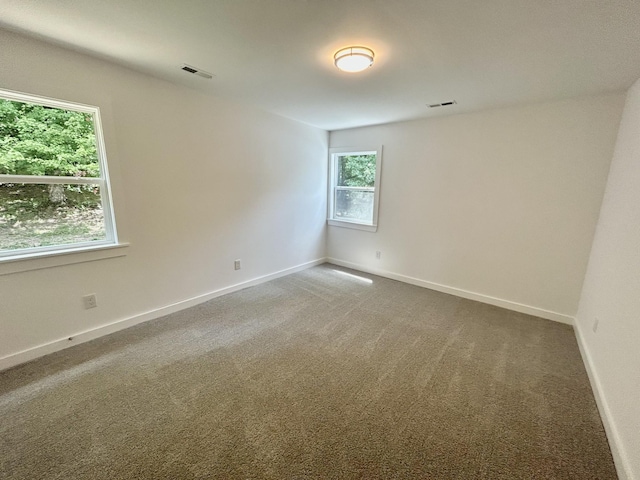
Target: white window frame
334 154
111 239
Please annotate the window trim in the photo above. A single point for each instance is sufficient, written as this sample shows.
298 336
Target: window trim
103 181
41 260
334 153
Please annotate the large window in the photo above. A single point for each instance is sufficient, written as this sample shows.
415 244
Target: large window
54 185
354 188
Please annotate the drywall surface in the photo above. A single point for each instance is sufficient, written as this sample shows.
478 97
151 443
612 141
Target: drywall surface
611 296
500 205
197 183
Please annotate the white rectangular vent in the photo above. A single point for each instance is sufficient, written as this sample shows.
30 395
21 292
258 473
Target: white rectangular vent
197 71
443 104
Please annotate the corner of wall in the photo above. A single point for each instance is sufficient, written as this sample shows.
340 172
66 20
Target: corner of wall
619 458
609 298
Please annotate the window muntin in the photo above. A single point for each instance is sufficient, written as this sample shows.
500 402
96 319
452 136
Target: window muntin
354 187
54 183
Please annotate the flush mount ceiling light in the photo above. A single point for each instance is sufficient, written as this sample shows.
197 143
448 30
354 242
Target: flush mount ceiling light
353 59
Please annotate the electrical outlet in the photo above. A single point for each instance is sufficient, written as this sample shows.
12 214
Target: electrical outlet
378 254
90 301
237 264
595 325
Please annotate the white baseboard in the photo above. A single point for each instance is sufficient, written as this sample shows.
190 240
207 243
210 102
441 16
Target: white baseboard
518 307
86 335
619 458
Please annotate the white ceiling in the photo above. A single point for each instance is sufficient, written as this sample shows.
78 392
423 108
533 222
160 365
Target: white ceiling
278 54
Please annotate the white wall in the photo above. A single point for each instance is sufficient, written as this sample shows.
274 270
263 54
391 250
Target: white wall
501 205
611 295
197 182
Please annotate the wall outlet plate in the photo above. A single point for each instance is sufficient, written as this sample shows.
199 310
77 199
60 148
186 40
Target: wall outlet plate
237 265
90 301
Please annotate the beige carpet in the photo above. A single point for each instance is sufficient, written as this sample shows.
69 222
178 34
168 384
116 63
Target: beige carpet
318 375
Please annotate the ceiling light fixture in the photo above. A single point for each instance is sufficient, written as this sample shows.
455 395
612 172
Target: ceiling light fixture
353 59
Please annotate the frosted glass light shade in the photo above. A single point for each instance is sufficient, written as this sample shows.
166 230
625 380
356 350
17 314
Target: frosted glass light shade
353 59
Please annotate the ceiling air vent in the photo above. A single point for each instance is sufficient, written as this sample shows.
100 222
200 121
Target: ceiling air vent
443 104
197 71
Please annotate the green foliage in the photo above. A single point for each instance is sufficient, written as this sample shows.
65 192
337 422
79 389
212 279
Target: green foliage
37 140
357 170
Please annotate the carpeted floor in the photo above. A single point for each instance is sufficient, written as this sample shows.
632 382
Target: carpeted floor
318 375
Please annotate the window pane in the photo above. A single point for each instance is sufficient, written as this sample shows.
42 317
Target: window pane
37 215
38 140
354 205
357 170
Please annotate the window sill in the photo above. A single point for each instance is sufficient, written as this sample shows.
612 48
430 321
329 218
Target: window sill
353 225
37 261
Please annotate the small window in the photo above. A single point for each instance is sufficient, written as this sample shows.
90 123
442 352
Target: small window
54 185
354 188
